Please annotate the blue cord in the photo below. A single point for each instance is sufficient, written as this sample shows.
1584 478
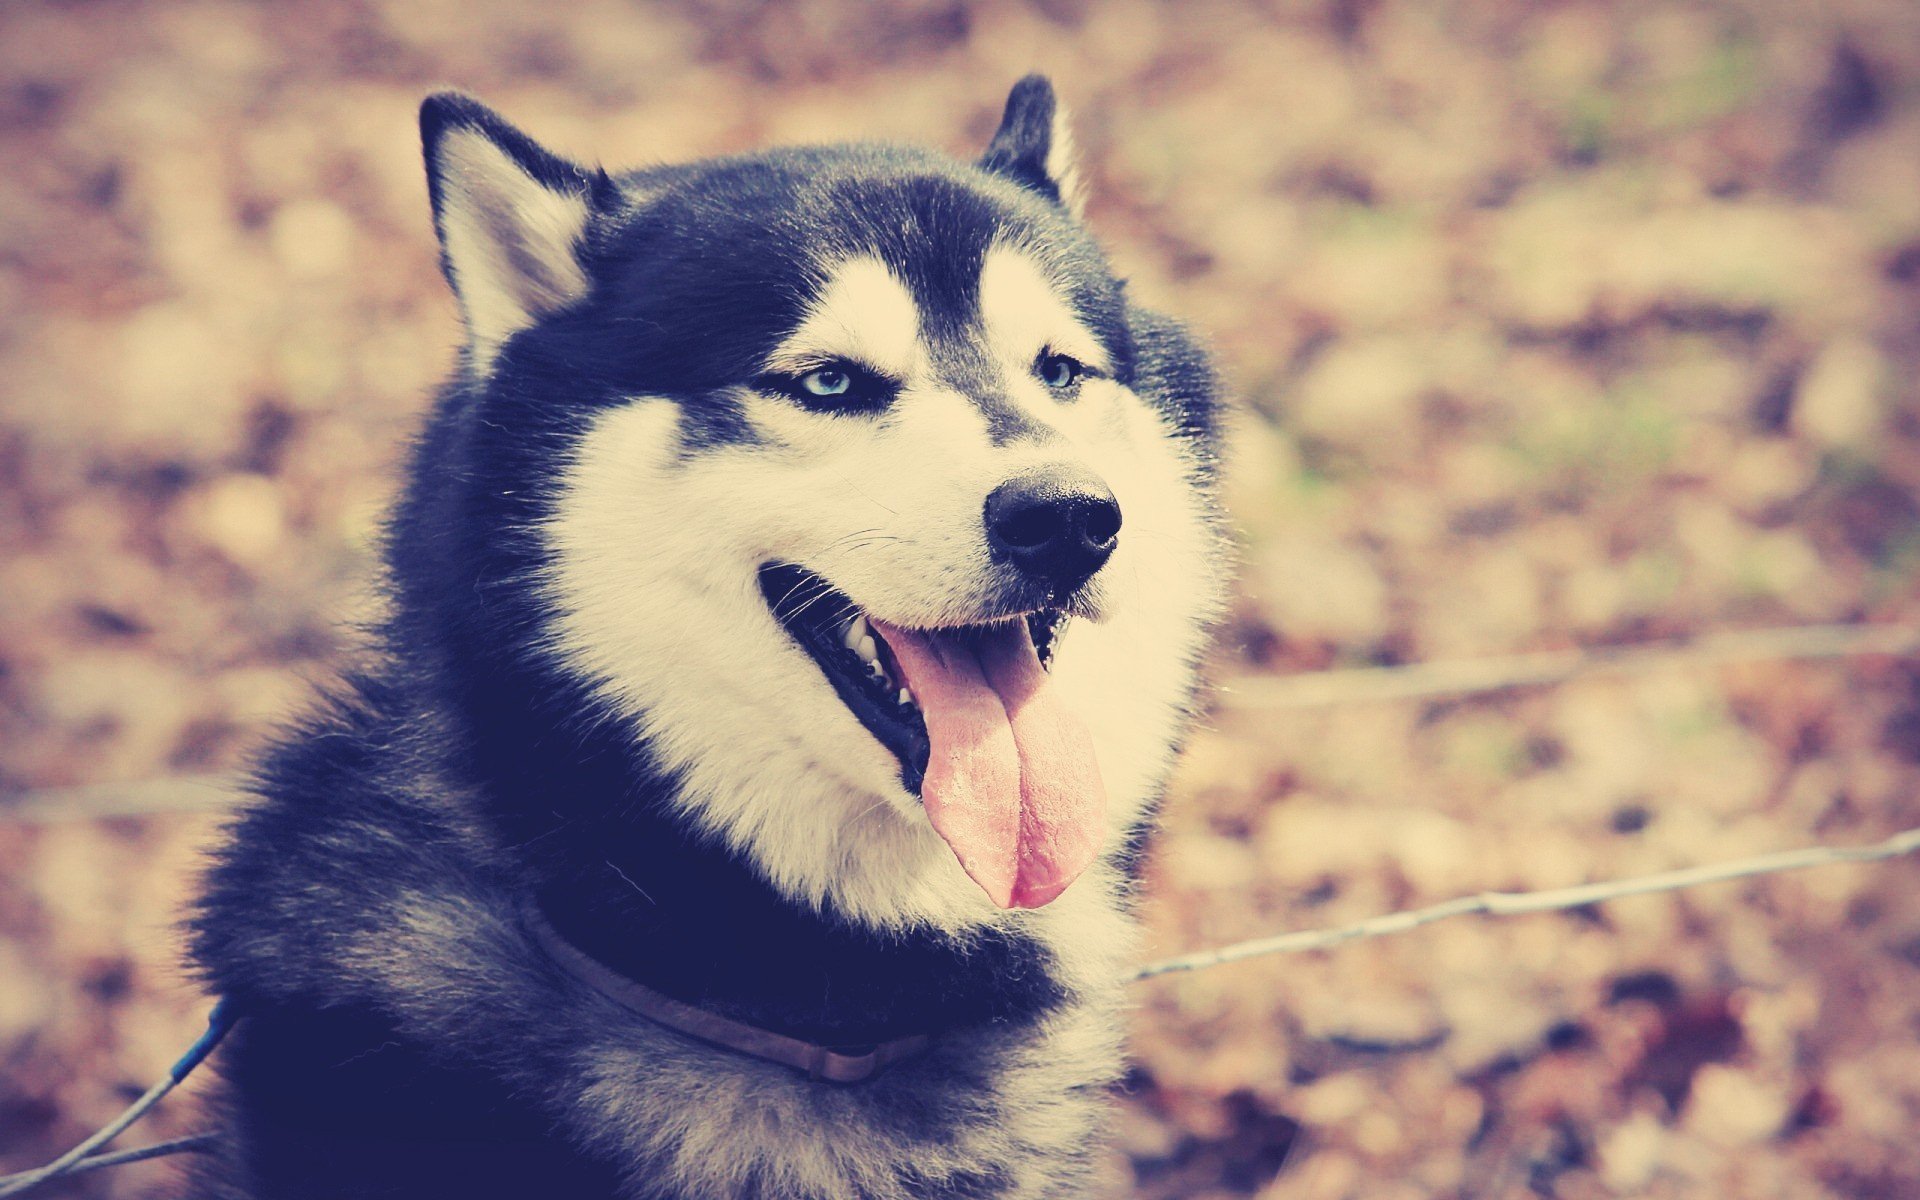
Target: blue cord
219 1021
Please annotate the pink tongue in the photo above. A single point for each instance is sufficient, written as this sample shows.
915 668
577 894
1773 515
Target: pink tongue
1011 782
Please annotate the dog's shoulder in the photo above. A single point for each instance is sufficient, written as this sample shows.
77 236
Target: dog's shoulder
346 813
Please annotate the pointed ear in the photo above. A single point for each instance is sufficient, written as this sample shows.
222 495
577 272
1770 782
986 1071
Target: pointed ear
1034 146
510 215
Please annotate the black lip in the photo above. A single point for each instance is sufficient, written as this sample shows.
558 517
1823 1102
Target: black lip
815 615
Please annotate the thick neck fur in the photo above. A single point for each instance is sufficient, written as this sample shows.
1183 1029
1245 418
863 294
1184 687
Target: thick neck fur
370 934
621 875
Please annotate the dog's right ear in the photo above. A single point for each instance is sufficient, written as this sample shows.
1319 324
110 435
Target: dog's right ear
511 217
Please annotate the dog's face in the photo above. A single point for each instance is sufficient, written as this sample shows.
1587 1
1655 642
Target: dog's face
855 486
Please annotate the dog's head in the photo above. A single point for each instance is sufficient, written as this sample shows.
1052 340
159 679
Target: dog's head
849 478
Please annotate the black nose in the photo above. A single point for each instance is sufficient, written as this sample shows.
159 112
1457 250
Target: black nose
1056 523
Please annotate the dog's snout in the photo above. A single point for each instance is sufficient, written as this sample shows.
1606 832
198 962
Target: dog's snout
1056 523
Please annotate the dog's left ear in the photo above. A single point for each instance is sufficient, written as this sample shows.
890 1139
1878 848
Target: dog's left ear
511 216
1034 146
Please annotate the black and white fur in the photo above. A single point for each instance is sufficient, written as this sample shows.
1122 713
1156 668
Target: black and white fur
582 698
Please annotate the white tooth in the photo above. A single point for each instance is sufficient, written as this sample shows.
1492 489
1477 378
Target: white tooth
906 698
868 650
856 632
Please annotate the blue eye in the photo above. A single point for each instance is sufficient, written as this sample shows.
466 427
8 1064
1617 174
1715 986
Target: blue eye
827 381
1058 371
838 386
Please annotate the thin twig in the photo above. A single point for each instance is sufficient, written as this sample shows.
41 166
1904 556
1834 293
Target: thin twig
91 1154
193 1143
1251 696
219 1021
1503 904
74 1159
141 798
1459 677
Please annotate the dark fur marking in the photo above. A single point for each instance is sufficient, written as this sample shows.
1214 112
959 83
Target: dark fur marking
714 420
1021 146
964 366
370 1106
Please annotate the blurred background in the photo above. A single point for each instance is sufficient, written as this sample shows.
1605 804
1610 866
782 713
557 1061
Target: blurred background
1552 325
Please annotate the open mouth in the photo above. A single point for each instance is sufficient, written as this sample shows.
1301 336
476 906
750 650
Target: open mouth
1004 768
860 664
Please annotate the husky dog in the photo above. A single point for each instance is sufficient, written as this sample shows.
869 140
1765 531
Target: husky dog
796 599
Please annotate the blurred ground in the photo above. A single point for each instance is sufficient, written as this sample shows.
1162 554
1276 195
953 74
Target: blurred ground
1555 324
